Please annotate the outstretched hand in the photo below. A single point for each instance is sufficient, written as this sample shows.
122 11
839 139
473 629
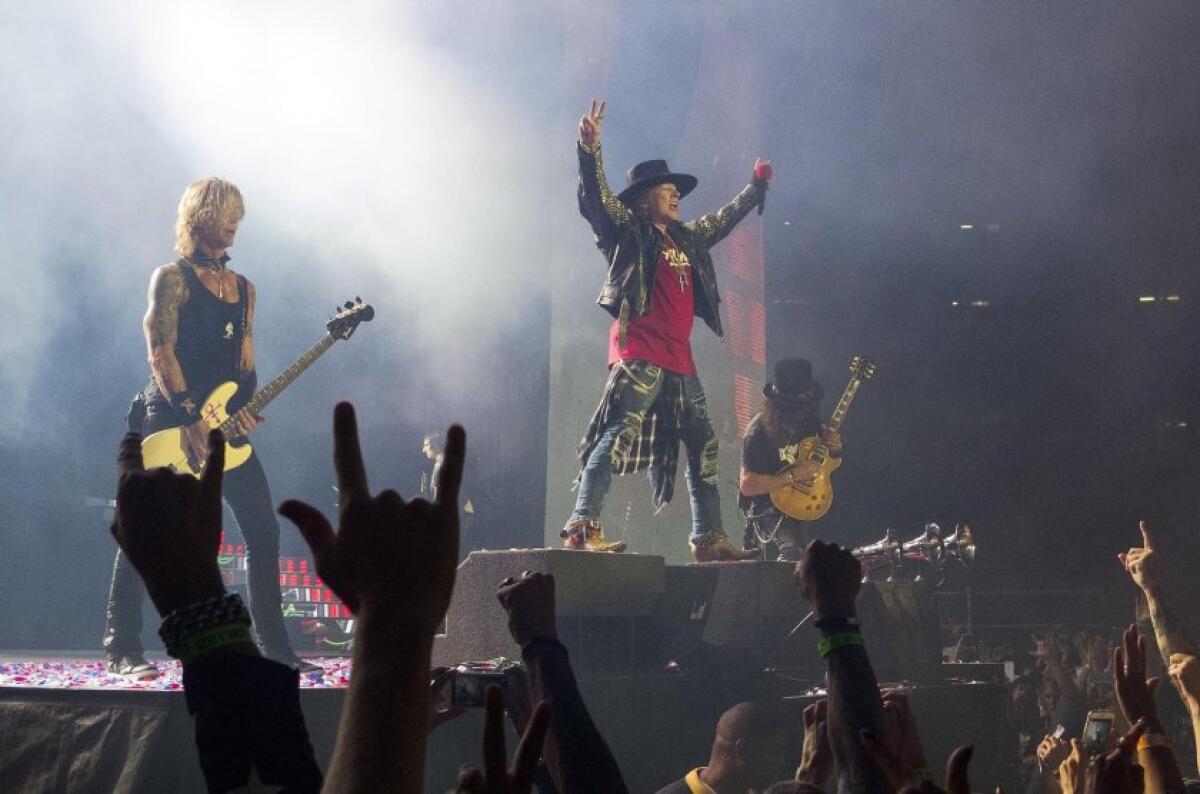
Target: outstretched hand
497 777
1072 770
591 124
169 525
816 755
1115 772
898 752
1135 693
388 556
1140 561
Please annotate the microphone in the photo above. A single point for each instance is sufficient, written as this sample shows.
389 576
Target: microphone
763 172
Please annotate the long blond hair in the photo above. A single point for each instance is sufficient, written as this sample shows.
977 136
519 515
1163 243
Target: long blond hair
205 204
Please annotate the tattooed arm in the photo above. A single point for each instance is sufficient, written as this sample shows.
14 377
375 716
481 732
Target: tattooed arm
161 326
1143 565
246 366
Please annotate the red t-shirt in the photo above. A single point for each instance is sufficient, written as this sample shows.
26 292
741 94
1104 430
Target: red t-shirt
663 335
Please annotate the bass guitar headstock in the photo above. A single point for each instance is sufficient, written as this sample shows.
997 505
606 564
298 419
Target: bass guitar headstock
862 368
343 324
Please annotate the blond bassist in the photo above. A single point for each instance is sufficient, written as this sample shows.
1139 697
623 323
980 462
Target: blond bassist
199 334
773 457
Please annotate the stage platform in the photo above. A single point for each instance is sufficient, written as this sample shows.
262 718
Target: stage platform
660 652
71 727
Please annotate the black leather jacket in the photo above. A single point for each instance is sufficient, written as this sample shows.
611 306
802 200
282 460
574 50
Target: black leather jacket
632 245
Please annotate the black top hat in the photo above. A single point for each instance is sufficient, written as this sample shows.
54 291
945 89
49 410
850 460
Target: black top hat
651 173
793 383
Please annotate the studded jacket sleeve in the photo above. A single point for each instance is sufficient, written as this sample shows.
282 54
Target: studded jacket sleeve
710 229
597 203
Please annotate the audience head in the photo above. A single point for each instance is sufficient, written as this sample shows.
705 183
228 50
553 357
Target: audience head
750 747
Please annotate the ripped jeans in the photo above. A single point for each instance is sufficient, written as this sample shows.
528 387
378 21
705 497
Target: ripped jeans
624 427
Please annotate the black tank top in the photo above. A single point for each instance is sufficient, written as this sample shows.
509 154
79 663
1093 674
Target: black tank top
209 341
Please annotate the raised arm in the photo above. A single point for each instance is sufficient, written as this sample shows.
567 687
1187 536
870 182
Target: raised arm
830 579
576 754
1143 566
713 227
246 708
161 327
393 564
597 203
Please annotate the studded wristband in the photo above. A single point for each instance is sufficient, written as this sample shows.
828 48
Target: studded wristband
219 610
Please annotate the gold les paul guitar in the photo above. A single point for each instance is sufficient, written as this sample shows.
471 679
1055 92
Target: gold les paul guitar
169 448
808 500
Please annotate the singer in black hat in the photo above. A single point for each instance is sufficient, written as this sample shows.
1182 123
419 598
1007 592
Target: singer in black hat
660 277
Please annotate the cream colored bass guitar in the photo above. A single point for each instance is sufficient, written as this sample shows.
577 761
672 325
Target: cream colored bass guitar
169 449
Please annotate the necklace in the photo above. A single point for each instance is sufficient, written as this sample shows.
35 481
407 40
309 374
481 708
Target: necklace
218 270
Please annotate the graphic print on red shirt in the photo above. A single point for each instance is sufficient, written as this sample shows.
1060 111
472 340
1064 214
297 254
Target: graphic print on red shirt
663 335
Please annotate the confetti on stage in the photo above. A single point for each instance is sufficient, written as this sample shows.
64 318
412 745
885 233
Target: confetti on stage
93 675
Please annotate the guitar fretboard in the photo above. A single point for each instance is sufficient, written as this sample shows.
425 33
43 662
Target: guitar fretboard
285 378
839 413
821 452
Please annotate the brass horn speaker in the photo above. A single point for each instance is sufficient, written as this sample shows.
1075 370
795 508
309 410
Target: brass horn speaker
960 545
926 547
881 553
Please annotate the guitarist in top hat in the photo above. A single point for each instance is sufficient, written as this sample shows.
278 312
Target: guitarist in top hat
790 413
660 278
199 334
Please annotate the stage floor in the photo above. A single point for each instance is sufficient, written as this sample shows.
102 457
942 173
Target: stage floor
85 670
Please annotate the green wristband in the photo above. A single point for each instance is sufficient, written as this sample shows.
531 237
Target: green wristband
828 644
189 648
925 773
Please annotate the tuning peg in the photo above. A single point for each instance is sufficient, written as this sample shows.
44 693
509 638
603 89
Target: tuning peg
357 299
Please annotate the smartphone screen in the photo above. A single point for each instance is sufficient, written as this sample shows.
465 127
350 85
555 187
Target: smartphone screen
466 689
1096 732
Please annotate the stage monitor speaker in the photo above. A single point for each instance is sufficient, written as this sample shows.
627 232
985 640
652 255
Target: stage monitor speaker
606 606
899 621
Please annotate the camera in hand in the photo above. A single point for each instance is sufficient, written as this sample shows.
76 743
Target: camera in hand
1097 731
467 687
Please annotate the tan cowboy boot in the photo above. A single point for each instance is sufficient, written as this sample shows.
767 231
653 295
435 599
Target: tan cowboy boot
586 534
717 548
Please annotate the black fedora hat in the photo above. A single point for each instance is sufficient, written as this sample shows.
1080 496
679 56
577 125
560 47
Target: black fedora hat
651 173
793 382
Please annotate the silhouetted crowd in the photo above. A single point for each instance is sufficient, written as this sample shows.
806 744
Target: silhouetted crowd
393 563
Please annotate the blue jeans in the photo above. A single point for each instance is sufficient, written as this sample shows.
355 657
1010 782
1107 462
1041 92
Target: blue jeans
623 429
